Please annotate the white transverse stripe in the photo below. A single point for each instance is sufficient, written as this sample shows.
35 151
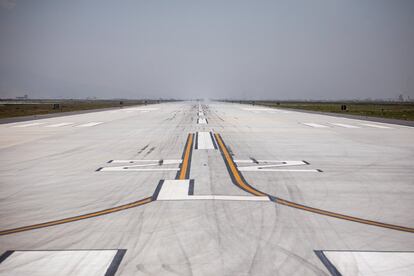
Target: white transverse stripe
227 197
315 125
178 190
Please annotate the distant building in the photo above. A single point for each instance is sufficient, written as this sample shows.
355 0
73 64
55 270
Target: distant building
25 97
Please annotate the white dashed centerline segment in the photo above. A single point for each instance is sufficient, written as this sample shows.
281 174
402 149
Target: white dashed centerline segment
201 121
315 125
376 126
60 124
204 141
344 125
29 125
90 124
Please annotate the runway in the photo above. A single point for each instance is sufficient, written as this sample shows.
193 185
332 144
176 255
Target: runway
206 188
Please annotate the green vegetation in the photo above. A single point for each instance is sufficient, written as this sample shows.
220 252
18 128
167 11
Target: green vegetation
39 107
392 110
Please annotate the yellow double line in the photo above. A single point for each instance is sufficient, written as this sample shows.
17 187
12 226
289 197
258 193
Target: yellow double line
185 165
234 172
239 180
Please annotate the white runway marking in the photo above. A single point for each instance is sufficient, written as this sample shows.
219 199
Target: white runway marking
204 141
271 166
174 189
48 263
136 165
344 125
279 111
315 125
201 121
227 197
91 124
257 109
60 124
133 161
376 126
372 263
29 125
179 190
140 109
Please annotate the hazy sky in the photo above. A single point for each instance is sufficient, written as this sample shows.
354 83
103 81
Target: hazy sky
310 49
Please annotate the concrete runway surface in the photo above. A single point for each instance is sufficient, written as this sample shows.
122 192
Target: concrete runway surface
206 188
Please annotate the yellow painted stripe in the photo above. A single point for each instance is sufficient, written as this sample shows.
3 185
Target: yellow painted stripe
242 184
234 171
76 218
185 164
345 217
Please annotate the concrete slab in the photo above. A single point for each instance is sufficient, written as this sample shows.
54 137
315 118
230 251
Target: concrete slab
50 174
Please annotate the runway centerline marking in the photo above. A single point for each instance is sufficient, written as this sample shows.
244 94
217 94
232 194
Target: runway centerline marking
204 141
239 180
202 121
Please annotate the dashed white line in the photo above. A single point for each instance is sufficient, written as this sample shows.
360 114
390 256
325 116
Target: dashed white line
59 125
91 124
376 126
29 125
201 121
315 125
257 109
344 125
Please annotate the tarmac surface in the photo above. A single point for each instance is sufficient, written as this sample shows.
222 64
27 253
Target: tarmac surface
206 188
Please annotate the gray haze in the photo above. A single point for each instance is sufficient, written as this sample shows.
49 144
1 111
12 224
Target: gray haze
320 49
